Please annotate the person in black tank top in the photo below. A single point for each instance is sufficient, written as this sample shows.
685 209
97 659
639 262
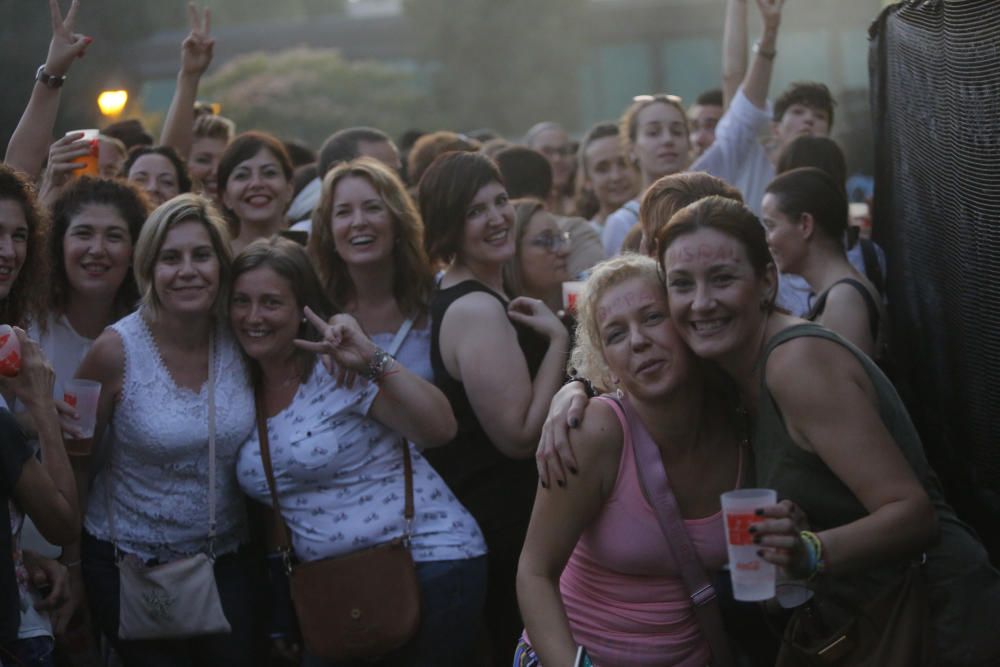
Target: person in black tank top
805 215
499 362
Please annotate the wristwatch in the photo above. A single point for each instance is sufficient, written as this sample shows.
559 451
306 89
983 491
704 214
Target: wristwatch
762 52
379 364
50 80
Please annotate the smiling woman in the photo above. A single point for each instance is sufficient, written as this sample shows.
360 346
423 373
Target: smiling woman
21 256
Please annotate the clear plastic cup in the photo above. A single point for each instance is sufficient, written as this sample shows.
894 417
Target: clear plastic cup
753 577
90 162
571 291
83 396
10 351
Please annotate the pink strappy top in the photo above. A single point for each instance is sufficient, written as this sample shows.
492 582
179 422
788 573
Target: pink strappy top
622 589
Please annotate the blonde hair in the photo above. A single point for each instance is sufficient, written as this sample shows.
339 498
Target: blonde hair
211 126
587 357
182 208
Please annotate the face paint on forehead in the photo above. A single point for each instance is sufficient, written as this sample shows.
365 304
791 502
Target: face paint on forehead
632 299
703 252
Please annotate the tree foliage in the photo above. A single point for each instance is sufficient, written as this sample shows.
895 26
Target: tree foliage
308 94
502 64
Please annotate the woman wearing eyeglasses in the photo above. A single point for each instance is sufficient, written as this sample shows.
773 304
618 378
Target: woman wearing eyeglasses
654 135
541 250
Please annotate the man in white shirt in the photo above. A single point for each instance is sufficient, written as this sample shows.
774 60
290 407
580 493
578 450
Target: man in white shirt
738 156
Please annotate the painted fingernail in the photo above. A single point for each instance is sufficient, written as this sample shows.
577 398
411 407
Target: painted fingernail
756 539
574 422
760 552
759 512
545 485
573 470
88 40
561 483
752 529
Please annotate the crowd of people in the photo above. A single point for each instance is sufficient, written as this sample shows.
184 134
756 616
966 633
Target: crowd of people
373 342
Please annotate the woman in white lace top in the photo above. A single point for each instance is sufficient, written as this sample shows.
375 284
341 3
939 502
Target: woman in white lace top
160 369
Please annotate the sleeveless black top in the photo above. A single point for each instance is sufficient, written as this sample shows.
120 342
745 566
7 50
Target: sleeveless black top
497 490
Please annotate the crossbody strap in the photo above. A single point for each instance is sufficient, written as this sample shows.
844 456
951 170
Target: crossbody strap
656 487
281 529
397 342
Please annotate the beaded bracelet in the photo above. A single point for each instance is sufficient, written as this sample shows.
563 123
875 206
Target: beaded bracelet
817 565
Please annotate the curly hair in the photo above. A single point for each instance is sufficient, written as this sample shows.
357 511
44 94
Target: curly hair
26 297
131 204
587 358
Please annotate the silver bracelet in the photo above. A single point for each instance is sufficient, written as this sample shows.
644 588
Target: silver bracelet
378 366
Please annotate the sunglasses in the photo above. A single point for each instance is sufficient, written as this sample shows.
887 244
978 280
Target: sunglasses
551 242
659 97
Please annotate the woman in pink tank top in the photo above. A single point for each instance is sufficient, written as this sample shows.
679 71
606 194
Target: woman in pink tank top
596 569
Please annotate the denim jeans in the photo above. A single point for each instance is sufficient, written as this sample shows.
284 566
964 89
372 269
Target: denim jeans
31 652
452 595
237 592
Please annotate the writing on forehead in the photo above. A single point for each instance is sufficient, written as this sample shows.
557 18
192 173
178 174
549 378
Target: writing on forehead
703 252
624 303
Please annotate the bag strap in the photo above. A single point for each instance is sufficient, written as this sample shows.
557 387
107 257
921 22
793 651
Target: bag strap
873 270
284 544
397 342
656 488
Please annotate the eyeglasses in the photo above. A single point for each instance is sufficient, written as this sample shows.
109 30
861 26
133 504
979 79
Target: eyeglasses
659 97
551 242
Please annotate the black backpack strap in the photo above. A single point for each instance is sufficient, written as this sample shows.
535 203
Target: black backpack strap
873 310
873 270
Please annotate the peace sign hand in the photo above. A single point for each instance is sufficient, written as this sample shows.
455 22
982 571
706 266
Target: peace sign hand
66 45
343 342
197 47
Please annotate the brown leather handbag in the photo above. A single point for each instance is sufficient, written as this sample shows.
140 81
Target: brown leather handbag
890 630
359 606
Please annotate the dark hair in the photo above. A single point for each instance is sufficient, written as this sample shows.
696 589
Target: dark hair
812 94
820 152
303 176
413 279
131 204
130 132
586 202
428 147
710 98
299 152
183 177
526 172
445 191
813 191
726 216
342 146
670 194
23 300
244 147
290 261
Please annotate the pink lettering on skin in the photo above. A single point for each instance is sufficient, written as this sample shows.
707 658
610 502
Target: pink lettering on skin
624 303
703 252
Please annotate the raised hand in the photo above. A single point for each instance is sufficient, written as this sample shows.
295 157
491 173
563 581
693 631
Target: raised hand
770 12
60 168
197 47
66 45
343 342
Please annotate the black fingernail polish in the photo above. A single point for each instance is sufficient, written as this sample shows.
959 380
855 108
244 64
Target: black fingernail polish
752 529
760 552
756 539
561 483
544 485
574 422
573 470
759 512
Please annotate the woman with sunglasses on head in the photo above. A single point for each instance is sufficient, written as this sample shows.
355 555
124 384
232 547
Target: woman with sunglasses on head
655 138
497 360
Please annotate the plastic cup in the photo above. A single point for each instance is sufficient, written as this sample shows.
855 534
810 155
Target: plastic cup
753 577
10 352
571 291
90 162
82 395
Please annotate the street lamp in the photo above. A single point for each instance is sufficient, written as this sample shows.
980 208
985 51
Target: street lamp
111 102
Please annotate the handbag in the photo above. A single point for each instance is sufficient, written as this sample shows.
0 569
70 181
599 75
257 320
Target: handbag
656 488
890 630
359 606
178 599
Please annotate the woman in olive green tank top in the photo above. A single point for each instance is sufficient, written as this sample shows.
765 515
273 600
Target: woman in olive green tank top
830 434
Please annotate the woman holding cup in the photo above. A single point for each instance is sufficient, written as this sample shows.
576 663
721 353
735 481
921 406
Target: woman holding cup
580 581
161 369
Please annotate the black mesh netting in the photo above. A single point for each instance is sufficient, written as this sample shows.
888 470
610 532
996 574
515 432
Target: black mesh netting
935 75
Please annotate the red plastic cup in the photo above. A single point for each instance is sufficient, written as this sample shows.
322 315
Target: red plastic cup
10 352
